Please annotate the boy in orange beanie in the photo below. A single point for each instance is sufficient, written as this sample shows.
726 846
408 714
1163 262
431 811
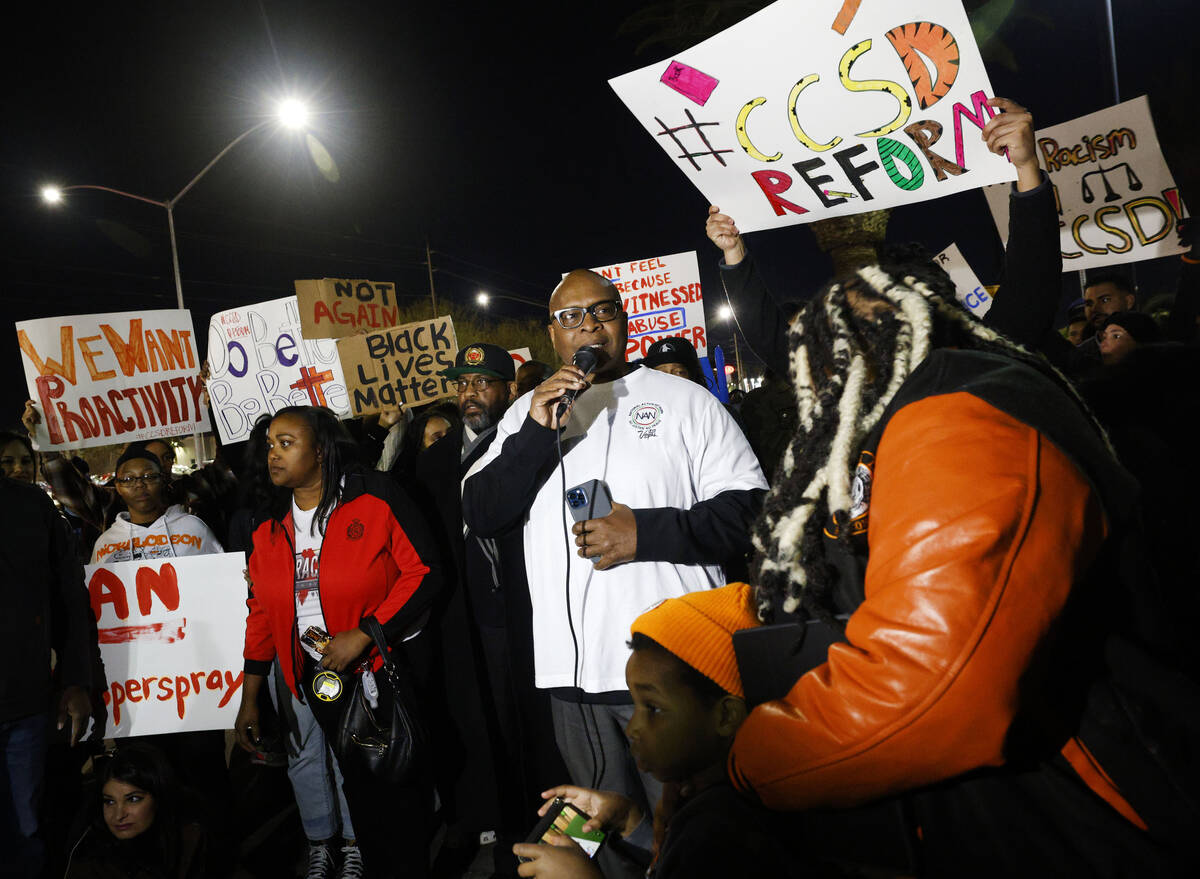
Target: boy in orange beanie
688 705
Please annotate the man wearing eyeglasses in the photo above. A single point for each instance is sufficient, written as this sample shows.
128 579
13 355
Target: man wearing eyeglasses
685 487
483 624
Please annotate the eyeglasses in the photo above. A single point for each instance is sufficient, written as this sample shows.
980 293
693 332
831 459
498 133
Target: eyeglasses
570 318
480 383
144 479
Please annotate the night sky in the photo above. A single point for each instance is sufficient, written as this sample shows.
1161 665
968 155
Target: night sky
488 129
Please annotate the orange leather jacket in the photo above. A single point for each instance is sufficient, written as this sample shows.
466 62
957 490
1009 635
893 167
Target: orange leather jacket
978 529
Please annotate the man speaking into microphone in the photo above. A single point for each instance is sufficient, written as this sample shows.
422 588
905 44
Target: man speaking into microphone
685 488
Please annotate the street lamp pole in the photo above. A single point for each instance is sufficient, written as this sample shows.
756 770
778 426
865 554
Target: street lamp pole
53 194
293 116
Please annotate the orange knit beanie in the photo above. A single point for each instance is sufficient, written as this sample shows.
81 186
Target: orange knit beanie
698 628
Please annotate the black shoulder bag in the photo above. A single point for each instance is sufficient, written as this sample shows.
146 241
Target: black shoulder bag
387 740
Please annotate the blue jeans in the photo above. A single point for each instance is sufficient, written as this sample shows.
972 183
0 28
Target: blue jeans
308 771
23 746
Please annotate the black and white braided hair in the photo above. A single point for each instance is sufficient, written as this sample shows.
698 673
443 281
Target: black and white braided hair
852 348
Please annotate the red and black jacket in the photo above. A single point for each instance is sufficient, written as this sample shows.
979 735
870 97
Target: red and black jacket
377 560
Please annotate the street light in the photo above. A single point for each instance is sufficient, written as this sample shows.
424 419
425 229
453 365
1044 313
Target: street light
291 113
482 299
725 312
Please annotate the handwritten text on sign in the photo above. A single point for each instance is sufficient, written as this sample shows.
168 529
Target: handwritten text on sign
171 636
333 308
100 379
662 297
261 363
816 108
1117 201
399 366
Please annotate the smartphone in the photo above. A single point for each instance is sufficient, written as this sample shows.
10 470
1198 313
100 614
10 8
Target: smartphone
316 638
589 500
564 818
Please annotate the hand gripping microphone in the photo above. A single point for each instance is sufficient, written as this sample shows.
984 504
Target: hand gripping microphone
586 359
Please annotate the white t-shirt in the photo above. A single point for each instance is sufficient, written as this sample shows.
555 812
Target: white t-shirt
308 563
657 440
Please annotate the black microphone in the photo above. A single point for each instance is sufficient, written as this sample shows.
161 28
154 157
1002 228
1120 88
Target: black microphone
586 359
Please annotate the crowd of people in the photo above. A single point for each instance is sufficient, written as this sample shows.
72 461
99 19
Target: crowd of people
959 648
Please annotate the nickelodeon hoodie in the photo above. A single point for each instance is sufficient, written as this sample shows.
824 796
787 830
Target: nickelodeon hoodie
175 533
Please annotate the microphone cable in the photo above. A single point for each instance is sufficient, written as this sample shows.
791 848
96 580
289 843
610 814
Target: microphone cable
597 769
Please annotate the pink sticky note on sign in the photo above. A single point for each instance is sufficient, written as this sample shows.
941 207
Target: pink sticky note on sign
693 84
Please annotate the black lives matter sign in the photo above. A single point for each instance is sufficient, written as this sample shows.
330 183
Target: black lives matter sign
399 366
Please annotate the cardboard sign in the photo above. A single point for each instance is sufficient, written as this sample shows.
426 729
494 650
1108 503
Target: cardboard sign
967 288
520 355
333 308
1117 201
171 637
662 297
100 379
399 366
819 108
260 363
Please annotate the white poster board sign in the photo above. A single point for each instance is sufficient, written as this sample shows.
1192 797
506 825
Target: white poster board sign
171 636
260 363
811 109
967 288
101 379
520 356
662 297
1117 201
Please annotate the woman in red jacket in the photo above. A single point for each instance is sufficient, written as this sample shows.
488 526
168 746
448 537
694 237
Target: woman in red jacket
334 545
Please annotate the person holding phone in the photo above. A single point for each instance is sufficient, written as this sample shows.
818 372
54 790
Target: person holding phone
333 546
685 487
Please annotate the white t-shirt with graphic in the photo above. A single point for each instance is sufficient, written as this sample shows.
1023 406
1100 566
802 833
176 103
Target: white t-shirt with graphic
308 540
657 440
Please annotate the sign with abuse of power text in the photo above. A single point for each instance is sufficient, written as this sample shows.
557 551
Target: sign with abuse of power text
333 308
662 297
100 379
259 362
1116 199
171 636
819 108
399 366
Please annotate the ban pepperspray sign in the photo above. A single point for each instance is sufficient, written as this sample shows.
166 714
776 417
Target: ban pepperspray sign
171 635
819 108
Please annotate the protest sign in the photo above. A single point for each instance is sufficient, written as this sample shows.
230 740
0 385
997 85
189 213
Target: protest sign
260 363
333 308
171 636
1116 199
399 366
100 379
520 355
967 288
662 297
819 108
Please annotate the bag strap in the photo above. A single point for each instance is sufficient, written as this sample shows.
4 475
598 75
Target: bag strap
375 630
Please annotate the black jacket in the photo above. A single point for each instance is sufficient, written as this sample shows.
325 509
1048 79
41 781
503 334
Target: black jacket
43 601
1023 308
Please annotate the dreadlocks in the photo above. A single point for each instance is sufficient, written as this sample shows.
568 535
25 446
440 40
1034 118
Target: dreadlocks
852 349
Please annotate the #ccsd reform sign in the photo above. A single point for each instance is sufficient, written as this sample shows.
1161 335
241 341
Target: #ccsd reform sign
811 109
